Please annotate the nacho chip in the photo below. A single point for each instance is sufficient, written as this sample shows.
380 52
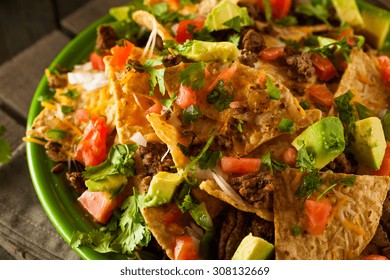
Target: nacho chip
356 211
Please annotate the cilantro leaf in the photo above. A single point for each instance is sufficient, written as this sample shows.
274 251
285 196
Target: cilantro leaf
55 134
311 183
71 93
167 102
271 89
67 109
305 160
191 114
362 111
286 125
234 23
345 108
194 76
346 181
272 164
209 159
220 96
187 203
123 234
119 161
235 39
317 9
164 16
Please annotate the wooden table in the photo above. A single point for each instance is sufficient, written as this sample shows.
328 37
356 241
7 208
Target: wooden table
19 78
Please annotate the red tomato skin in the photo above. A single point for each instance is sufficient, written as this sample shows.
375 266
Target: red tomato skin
156 108
384 170
240 165
186 97
320 94
324 68
82 115
182 34
272 53
289 156
97 61
91 149
173 214
225 76
99 205
317 214
184 248
375 257
120 54
280 8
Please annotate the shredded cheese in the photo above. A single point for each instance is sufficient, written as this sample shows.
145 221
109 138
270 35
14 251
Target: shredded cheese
73 127
48 105
34 140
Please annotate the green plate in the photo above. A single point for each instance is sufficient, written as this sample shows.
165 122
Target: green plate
57 198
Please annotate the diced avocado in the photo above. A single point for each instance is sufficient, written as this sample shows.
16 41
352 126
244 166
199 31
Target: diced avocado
253 248
377 25
120 13
162 188
209 51
226 10
348 12
110 184
324 140
368 142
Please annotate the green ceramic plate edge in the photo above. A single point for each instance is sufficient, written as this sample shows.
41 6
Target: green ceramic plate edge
57 198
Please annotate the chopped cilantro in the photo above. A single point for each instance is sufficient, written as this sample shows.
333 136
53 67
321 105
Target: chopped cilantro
167 102
191 114
119 161
315 8
286 125
67 109
194 76
272 90
287 21
234 23
296 230
183 149
311 183
156 74
345 181
47 95
304 159
187 204
164 16
5 147
124 233
240 125
71 93
362 111
235 39
305 105
56 134
209 159
220 96
267 10
345 108
272 164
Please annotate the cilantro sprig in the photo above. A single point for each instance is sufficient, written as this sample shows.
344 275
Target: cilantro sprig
271 164
194 76
316 8
221 96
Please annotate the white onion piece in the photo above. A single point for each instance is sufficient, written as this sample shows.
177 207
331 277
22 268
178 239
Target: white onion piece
166 153
89 80
84 67
139 139
203 174
226 188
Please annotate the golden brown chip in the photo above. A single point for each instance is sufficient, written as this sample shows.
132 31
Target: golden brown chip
355 215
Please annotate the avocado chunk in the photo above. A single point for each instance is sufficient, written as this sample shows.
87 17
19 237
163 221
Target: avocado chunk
162 188
376 25
368 143
224 12
110 184
324 140
348 12
209 51
253 248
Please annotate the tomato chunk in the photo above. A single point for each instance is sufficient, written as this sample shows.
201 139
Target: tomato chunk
374 257
240 165
272 53
317 213
280 8
384 170
186 97
289 156
384 63
172 214
320 94
97 61
324 68
120 54
225 76
99 205
184 248
91 149
156 108
183 31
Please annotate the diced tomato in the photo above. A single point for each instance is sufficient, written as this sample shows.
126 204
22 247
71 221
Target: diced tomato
97 61
280 8
384 170
289 156
91 149
183 33
186 97
225 76
374 257
320 94
384 63
324 68
272 53
99 205
348 33
120 54
172 214
184 248
156 108
240 165
317 214
82 115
